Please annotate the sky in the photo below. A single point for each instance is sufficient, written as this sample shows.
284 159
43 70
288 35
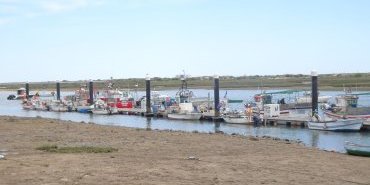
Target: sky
47 40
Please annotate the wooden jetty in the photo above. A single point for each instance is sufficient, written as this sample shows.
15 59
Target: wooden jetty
288 120
141 112
131 111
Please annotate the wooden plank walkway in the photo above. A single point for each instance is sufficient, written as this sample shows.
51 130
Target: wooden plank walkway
132 111
290 120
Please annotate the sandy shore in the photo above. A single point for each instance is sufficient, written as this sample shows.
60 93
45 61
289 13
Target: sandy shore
162 157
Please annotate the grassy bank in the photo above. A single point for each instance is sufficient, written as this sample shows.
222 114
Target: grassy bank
360 81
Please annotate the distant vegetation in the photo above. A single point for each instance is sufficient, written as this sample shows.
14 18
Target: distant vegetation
288 81
78 149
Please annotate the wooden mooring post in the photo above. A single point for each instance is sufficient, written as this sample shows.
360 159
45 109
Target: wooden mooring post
148 112
27 90
58 90
315 93
217 96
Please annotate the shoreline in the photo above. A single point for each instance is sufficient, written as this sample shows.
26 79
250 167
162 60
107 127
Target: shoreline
148 156
206 88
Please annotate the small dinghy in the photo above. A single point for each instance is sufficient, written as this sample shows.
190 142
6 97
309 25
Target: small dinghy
357 149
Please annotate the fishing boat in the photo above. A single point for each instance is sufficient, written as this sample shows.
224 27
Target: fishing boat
238 119
186 109
102 111
185 116
347 107
336 124
365 117
40 105
27 105
307 98
35 103
81 100
357 149
102 108
21 94
59 106
286 100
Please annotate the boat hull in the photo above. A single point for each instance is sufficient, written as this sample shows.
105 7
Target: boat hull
104 112
339 125
83 109
238 120
59 109
321 99
28 107
101 112
365 117
358 150
187 116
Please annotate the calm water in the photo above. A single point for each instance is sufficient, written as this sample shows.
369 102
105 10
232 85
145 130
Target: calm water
320 139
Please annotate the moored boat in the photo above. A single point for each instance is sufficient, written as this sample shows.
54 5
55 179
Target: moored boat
244 120
59 106
102 108
336 125
347 107
307 98
185 116
101 111
27 105
357 149
84 109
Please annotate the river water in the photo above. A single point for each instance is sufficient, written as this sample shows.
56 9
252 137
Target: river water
319 139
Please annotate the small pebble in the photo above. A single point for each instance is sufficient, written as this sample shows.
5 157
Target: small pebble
193 158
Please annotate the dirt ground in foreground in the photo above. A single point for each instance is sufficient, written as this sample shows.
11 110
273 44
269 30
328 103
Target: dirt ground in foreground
163 157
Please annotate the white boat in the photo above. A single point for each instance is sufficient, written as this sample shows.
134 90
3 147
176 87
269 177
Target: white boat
105 111
347 107
307 98
58 106
336 125
35 104
101 111
245 120
185 111
102 108
27 105
185 116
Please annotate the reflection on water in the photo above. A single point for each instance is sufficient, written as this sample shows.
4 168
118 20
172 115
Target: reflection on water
148 123
320 139
315 138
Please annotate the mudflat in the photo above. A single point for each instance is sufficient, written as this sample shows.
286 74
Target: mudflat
147 156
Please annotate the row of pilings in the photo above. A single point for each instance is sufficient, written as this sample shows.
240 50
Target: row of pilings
314 88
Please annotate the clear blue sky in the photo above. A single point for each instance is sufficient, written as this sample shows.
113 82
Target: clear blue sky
43 40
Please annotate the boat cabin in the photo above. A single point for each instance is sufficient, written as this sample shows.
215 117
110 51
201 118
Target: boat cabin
347 101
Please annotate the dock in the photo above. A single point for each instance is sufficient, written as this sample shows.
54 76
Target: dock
288 120
131 111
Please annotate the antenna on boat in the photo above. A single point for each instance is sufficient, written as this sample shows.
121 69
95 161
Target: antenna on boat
110 83
184 84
